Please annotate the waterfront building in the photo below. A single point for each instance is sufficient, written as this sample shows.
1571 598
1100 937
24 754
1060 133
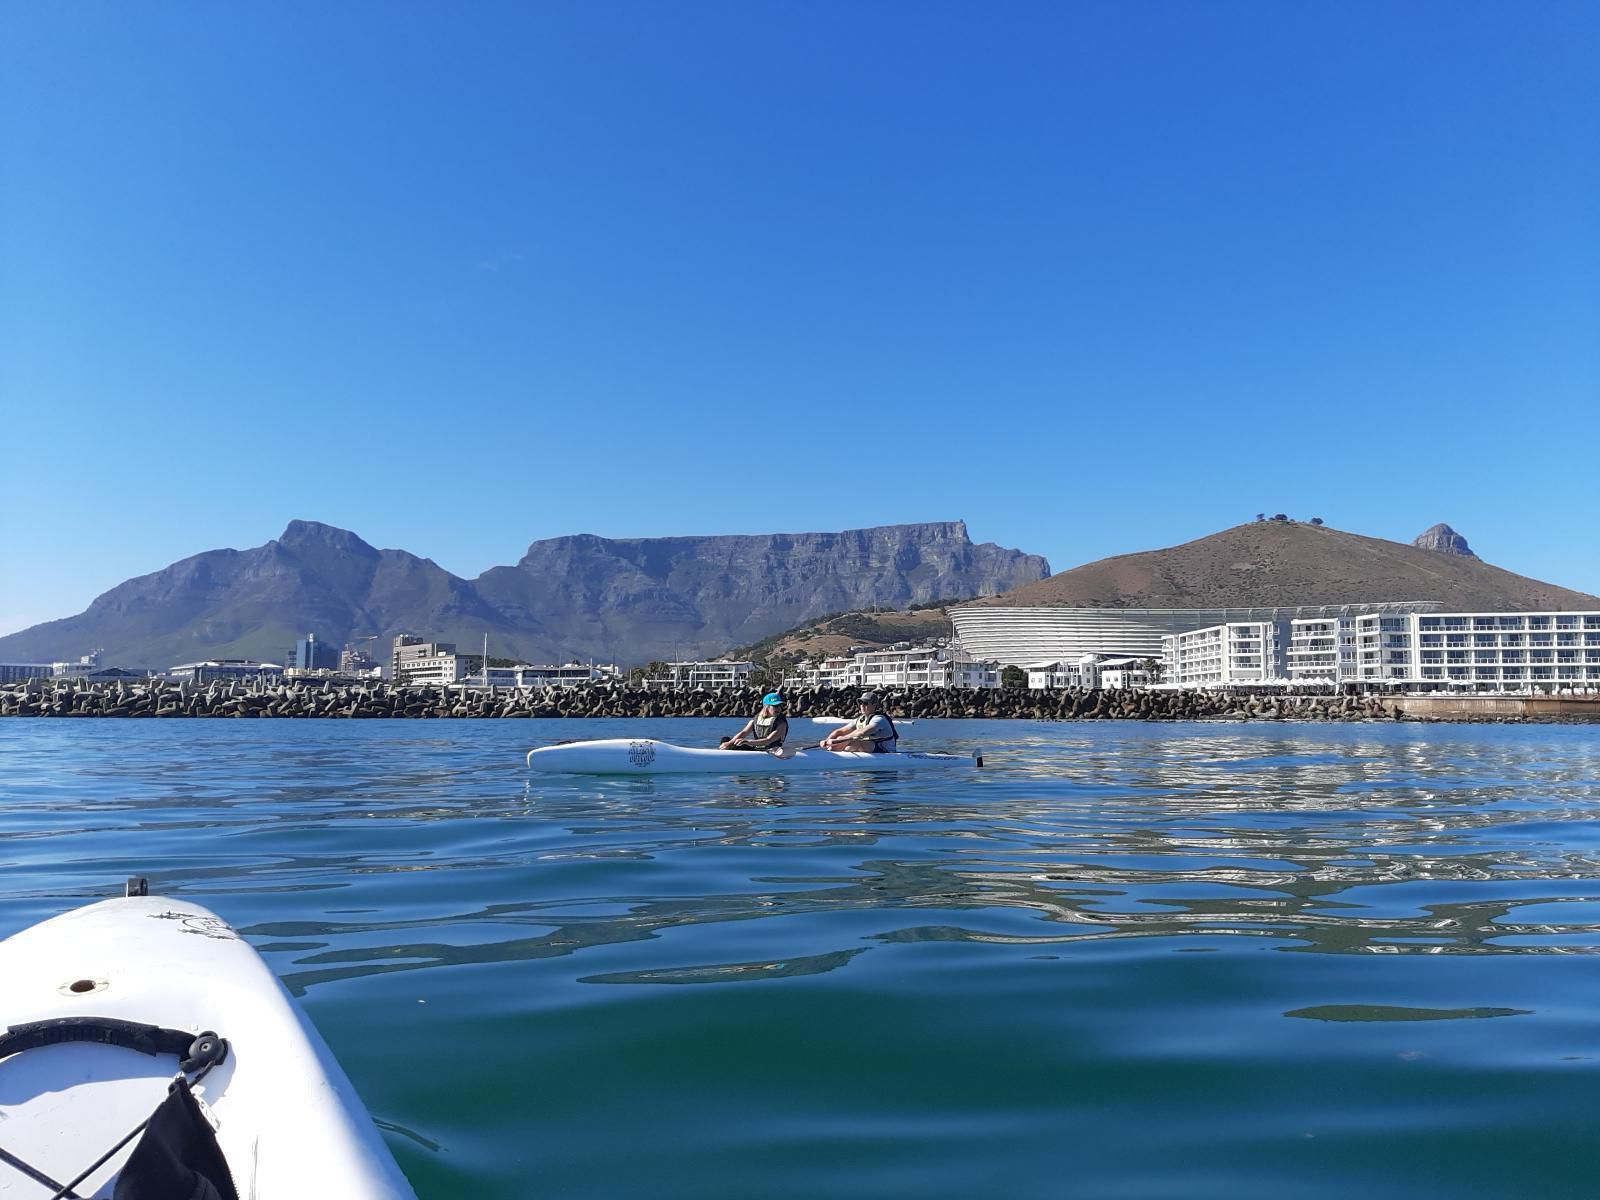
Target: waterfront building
836 670
226 670
1462 651
22 672
1119 673
1079 674
902 665
1046 633
722 672
1091 671
88 664
419 663
527 675
1235 652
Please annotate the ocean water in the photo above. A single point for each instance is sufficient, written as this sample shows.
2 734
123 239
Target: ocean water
1123 960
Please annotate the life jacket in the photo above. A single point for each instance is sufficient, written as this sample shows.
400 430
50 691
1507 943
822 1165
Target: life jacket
890 744
760 729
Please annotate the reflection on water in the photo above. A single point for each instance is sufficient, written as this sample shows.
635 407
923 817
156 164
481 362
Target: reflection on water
397 873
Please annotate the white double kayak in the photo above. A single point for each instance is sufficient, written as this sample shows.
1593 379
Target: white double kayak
105 1007
646 756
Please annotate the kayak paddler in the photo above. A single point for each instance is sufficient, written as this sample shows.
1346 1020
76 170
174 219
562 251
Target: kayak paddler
764 731
872 732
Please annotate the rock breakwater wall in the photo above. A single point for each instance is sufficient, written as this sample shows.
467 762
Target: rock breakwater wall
160 698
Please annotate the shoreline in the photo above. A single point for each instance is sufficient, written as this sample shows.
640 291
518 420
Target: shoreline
165 699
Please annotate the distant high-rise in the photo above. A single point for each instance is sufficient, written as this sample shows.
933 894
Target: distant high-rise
310 654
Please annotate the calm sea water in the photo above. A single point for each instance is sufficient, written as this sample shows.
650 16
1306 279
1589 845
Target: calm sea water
1124 960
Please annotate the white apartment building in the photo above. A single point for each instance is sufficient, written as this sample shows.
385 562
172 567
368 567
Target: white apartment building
526 675
1091 671
899 666
723 672
1119 673
1322 649
1079 674
1480 652
1219 655
838 670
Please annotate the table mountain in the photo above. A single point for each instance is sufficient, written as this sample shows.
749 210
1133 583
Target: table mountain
623 600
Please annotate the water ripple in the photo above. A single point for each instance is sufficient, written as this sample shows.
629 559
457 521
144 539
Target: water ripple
1102 934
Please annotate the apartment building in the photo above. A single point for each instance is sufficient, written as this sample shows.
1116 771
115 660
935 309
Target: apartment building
722 672
526 675
1237 652
1481 652
902 665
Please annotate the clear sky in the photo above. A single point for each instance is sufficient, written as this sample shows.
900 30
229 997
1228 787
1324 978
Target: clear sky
1096 277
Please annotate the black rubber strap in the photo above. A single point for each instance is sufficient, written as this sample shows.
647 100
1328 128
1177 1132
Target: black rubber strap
111 1031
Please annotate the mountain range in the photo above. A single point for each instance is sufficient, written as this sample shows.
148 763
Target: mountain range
580 597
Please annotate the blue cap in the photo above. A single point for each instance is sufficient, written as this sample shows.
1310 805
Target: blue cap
772 698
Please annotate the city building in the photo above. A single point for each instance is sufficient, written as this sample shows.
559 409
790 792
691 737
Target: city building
1079 674
1235 652
88 664
354 660
418 663
312 655
226 669
525 675
1119 673
1046 633
722 672
902 665
22 672
1438 651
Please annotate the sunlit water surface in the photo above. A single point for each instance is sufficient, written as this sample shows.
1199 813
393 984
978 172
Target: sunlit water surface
1123 960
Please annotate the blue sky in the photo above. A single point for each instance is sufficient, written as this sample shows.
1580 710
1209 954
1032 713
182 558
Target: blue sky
1096 277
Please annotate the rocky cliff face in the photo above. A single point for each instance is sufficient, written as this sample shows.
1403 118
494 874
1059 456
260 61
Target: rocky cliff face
623 600
1443 540
657 597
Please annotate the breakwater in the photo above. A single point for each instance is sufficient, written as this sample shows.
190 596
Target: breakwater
161 698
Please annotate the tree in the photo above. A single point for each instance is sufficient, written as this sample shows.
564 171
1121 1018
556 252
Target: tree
1013 677
1261 516
1152 667
1316 520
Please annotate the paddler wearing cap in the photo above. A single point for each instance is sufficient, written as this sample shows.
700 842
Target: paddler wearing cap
764 731
872 732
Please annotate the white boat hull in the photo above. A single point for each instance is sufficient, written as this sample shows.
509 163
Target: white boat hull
646 756
287 1119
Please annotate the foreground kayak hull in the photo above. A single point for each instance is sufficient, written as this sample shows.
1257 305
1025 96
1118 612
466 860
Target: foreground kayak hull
646 756
287 1120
